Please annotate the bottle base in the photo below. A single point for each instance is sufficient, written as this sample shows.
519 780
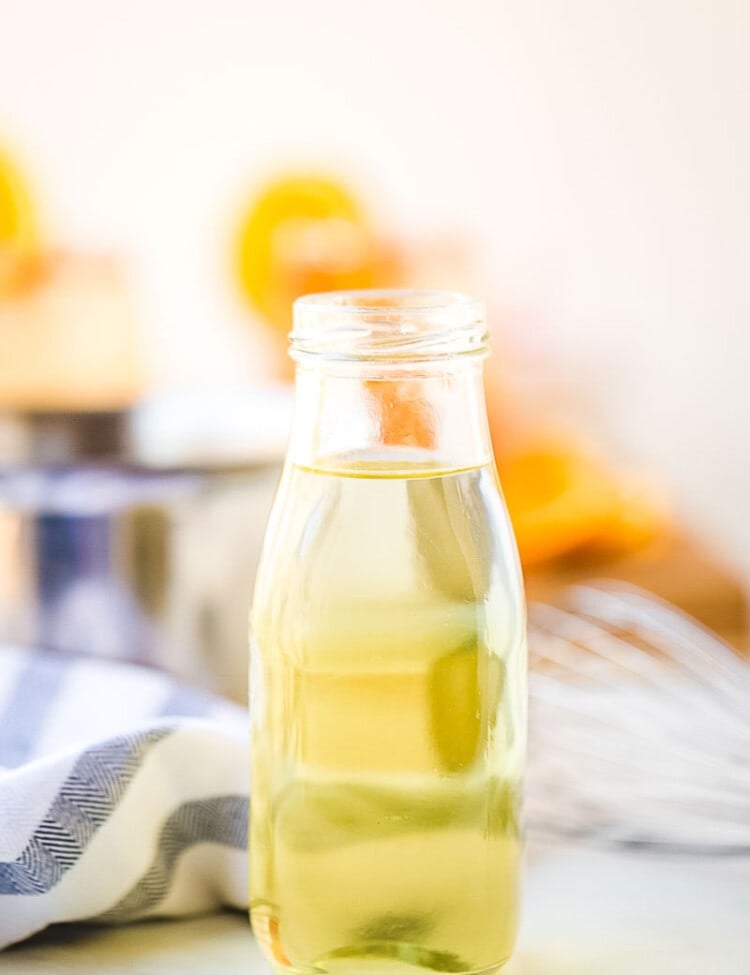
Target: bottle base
388 958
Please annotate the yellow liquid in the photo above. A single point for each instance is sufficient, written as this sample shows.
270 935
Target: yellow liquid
388 724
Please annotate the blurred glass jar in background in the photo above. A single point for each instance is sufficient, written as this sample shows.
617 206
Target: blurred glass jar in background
136 534
129 527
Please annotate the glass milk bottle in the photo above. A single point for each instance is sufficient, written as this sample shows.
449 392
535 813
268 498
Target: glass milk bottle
388 654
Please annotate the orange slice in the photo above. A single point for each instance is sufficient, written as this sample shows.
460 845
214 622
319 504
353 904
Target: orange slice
641 515
17 225
304 233
405 419
18 263
558 497
563 498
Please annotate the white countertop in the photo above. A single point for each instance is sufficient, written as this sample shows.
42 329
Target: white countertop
586 913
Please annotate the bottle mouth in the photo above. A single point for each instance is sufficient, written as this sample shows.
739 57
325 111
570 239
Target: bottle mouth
398 325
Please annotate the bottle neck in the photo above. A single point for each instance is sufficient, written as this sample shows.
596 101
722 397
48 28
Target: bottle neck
432 416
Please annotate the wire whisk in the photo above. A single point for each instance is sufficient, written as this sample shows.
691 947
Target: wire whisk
639 726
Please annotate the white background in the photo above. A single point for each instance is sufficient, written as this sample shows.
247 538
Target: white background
599 150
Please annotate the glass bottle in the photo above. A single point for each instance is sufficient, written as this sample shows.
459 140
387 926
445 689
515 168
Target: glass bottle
388 654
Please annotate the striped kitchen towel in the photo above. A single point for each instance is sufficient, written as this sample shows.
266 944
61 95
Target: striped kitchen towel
123 795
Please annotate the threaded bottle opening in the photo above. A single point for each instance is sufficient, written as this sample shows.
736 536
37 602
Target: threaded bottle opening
388 325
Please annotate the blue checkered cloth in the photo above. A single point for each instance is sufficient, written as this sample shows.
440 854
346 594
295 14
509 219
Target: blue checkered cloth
123 795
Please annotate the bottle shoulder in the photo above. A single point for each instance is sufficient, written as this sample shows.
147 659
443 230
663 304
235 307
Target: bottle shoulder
434 551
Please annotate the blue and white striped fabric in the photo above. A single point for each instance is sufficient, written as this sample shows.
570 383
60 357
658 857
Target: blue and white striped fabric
122 794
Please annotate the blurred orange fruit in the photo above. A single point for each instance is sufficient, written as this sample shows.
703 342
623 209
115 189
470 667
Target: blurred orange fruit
404 416
18 265
561 498
641 514
304 233
17 224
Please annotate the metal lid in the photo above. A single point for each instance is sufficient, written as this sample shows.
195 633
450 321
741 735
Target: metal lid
205 429
62 438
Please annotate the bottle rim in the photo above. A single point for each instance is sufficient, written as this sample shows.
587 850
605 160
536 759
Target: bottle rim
391 324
